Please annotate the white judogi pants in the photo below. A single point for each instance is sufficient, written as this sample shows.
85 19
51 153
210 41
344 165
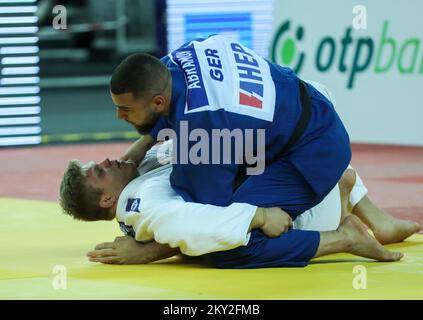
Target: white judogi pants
326 216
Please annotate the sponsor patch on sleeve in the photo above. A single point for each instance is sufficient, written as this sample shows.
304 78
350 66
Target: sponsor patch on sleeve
133 205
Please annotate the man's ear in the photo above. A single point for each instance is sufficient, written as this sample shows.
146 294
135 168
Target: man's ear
159 103
107 201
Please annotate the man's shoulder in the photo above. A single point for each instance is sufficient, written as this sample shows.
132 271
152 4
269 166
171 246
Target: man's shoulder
128 196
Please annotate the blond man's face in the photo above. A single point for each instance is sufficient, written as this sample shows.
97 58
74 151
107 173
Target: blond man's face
110 176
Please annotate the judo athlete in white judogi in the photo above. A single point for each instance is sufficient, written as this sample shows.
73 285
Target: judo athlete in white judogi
161 224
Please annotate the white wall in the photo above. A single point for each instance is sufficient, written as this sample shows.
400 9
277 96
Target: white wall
380 107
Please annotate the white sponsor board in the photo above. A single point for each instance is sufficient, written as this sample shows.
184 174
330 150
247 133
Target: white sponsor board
369 54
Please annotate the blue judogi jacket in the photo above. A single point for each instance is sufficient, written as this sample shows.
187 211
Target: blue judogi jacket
220 84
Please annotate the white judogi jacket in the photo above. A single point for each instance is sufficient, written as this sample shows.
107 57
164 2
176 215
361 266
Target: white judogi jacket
149 209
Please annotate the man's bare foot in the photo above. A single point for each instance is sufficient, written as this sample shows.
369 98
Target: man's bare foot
346 184
385 227
393 230
361 243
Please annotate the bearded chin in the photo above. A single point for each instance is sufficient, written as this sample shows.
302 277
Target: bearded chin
146 128
143 130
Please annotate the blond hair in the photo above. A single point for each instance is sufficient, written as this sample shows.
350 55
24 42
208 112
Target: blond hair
77 199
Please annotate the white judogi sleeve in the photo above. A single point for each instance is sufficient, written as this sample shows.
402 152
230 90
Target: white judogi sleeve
152 210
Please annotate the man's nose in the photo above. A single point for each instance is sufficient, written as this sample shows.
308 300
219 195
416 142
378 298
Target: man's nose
105 163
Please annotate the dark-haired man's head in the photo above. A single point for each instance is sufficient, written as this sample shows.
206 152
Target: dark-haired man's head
141 88
90 192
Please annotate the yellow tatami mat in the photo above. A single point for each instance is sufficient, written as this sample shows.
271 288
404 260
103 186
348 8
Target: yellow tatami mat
36 237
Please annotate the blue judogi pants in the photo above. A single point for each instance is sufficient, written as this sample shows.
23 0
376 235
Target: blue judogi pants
292 249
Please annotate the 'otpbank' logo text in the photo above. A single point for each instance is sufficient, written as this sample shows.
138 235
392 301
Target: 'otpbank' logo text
348 54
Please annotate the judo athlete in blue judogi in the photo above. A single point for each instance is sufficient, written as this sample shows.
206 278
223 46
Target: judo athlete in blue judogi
212 85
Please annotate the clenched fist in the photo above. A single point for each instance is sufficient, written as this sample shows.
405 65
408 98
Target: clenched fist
272 221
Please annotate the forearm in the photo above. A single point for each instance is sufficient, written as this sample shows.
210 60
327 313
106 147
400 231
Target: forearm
153 251
144 144
139 148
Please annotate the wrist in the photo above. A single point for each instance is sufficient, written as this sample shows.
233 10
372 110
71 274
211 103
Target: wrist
259 219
